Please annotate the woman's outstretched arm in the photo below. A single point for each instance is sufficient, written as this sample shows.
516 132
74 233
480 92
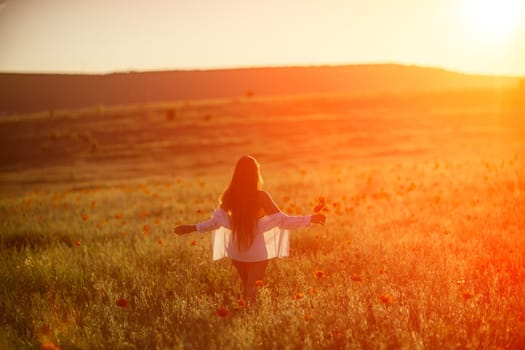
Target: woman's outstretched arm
270 207
183 229
218 219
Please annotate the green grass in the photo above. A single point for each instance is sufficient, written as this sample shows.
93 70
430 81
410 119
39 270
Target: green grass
422 255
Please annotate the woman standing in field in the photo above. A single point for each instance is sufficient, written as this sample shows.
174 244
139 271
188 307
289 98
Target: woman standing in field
248 227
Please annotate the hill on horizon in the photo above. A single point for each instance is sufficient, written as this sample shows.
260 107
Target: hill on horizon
26 93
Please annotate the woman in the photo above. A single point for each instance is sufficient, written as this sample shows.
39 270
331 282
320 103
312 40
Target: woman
249 227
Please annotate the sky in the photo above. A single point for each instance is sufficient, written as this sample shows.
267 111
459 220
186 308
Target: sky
103 36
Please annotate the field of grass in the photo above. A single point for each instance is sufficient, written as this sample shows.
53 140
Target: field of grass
424 245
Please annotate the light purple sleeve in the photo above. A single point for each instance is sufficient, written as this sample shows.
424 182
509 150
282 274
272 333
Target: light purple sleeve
290 222
217 220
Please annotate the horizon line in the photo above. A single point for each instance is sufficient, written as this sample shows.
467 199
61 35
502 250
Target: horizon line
254 67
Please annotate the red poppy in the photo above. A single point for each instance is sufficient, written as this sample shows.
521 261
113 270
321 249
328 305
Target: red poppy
468 295
194 242
121 302
259 283
321 206
222 312
386 299
241 303
84 217
77 243
298 296
49 346
356 278
319 274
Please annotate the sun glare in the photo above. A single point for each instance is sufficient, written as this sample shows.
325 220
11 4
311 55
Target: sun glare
492 20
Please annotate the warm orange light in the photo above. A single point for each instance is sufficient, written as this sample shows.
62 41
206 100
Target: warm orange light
492 20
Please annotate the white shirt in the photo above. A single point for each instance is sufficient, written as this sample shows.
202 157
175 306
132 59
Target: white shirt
271 240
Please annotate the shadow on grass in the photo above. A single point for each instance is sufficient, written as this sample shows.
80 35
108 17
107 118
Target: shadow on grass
30 240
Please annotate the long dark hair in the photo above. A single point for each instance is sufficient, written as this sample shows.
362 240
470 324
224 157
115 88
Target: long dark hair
240 200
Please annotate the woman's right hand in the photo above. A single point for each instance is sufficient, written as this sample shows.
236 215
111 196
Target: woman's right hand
318 219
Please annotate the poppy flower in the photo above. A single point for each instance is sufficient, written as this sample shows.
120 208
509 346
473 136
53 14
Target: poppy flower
356 278
259 283
77 243
319 274
193 243
121 302
468 295
118 216
240 303
160 241
84 217
49 346
308 317
320 206
386 299
222 312
298 296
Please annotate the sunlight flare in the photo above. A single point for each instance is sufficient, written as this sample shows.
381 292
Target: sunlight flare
492 20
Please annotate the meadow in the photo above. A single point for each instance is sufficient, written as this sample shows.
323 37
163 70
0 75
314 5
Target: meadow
423 246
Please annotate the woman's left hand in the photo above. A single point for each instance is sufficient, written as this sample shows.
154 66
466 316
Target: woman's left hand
183 229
